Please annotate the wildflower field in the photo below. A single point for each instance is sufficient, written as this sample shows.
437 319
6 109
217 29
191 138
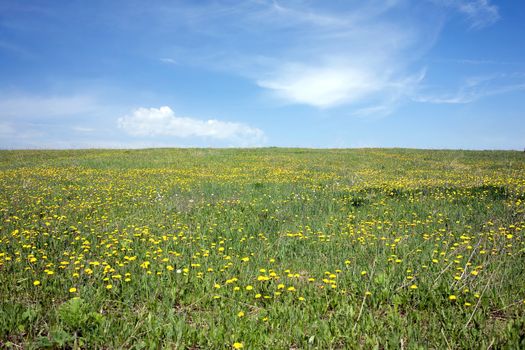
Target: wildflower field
262 248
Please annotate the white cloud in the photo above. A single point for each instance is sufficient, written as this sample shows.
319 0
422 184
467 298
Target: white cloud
365 58
364 55
310 54
338 84
163 122
347 58
361 55
326 86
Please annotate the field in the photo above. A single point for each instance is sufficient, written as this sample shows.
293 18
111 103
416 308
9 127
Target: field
262 248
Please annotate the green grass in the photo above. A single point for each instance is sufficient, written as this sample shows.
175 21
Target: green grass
364 248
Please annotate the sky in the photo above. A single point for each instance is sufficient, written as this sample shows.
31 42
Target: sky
322 74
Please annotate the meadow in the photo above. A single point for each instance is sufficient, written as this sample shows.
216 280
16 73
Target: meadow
262 249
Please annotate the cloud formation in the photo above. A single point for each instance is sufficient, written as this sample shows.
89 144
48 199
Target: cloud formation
162 121
480 13
364 55
168 60
323 86
475 88
354 62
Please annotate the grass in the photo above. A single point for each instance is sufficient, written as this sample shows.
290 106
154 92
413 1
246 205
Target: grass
262 248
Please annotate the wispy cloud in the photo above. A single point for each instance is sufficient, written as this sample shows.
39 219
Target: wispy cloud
475 88
168 60
478 62
35 106
148 122
13 135
352 62
324 85
479 13
303 53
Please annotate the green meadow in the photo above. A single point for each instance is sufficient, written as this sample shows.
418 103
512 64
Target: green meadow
262 249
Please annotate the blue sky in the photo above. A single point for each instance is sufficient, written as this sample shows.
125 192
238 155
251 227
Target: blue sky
379 73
